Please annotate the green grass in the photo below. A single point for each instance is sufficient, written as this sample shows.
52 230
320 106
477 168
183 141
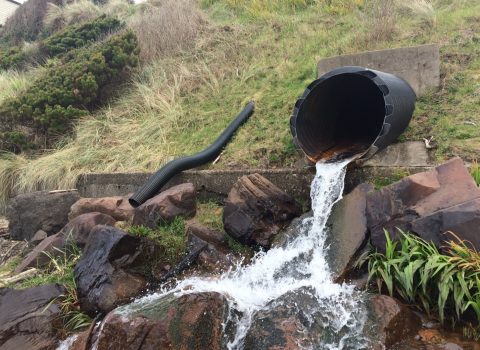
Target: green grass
475 171
171 237
382 181
266 51
445 284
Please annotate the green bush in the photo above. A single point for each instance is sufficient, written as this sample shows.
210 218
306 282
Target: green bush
66 92
11 58
415 270
77 36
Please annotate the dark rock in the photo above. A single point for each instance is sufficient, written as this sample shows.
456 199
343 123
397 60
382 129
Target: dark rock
391 322
28 317
214 256
51 246
463 220
256 210
114 268
347 233
193 321
179 200
79 228
423 199
46 211
116 207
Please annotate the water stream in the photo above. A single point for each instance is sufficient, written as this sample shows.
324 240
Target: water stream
300 266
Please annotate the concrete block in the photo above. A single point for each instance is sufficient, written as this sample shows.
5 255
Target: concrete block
418 65
405 154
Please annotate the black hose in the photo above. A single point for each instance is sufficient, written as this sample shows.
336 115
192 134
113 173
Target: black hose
162 176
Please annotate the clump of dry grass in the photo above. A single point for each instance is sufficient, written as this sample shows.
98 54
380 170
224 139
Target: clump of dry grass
422 11
167 27
380 18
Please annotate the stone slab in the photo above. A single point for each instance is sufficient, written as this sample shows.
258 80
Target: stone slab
405 154
418 65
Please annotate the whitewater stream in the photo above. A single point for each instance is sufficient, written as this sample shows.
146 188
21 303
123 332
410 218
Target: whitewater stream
298 267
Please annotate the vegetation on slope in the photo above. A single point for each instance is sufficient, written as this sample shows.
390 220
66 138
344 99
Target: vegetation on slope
265 50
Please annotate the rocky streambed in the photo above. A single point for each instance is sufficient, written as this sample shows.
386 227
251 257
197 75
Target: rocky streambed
296 292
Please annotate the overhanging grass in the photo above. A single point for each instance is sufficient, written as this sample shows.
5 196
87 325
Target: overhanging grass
178 105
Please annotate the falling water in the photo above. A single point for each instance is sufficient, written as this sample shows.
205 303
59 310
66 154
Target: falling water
300 266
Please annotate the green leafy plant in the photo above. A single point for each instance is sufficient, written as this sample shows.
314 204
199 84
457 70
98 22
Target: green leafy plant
65 92
421 275
170 236
76 36
475 171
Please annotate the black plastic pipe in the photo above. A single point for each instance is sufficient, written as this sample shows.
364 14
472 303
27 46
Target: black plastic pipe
162 176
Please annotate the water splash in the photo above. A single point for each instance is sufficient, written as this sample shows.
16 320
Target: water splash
298 266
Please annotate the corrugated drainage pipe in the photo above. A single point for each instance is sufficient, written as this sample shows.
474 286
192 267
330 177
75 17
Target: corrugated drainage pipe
162 176
351 111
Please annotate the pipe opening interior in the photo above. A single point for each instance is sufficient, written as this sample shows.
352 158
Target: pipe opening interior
342 115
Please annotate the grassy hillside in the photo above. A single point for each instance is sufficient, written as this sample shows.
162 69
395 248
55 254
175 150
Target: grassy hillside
193 82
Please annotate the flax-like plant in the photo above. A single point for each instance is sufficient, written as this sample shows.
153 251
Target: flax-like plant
475 171
420 274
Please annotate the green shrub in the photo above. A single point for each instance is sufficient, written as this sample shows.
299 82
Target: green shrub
415 270
11 58
76 36
66 91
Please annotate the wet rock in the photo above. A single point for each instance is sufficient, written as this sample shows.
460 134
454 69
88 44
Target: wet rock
347 230
215 253
256 210
116 207
293 230
80 227
114 268
179 200
40 256
419 203
28 317
46 211
191 321
391 322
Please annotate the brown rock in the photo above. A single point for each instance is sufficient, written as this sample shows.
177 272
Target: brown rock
28 316
46 211
423 199
79 228
206 234
40 256
179 200
114 268
116 207
190 322
392 321
348 222
39 236
256 210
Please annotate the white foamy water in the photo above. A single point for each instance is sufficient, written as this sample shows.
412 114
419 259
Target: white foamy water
299 265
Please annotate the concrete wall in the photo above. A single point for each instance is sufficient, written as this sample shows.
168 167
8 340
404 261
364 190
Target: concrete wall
7 8
418 65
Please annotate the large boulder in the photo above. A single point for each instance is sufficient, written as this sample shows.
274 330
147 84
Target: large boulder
114 268
429 204
116 207
179 200
390 322
193 321
75 233
256 210
28 317
214 256
347 230
46 211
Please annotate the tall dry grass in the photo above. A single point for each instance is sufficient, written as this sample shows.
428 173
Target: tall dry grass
166 27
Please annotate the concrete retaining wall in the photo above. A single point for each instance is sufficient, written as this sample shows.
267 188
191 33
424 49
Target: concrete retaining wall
418 65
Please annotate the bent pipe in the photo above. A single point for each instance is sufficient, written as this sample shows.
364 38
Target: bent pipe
351 111
162 176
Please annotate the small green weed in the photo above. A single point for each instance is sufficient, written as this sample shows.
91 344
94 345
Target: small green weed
210 214
445 284
475 171
170 236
